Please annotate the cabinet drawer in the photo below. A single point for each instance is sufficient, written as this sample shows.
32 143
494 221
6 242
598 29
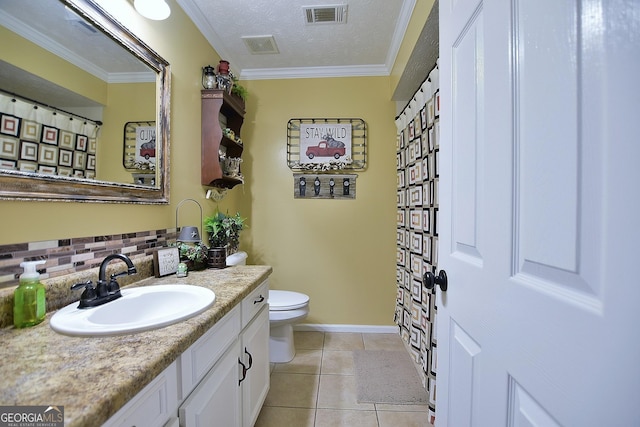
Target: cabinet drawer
153 406
252 304
203 354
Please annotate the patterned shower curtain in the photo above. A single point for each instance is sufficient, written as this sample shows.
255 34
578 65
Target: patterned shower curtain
417 234
38 138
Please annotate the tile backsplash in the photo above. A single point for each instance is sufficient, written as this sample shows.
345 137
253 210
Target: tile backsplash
66 256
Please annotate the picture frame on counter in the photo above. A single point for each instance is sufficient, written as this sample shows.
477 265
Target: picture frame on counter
165 261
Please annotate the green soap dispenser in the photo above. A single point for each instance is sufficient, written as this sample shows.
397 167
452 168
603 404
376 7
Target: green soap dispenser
29 304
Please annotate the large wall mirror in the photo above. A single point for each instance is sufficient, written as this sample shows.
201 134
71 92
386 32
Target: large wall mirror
84 107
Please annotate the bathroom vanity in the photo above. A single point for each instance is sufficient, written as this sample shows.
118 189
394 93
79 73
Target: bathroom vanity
222 378
211 367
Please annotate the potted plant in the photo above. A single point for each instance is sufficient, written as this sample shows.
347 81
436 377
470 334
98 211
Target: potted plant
195 256
238 90
224 230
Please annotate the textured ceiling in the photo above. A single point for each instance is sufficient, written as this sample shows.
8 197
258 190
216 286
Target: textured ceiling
365 45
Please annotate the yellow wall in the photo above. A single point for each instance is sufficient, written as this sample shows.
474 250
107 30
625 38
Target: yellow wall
134 102
340 252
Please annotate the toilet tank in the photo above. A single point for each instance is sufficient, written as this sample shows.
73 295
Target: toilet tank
239 258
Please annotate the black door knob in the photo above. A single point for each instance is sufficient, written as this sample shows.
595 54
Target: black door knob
430 280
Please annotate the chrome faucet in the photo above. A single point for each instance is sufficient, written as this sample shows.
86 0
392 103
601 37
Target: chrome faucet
104 291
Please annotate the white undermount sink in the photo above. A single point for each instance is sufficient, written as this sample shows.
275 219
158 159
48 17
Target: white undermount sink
139 309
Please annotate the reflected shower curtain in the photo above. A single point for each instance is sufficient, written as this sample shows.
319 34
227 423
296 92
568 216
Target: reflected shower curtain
38 138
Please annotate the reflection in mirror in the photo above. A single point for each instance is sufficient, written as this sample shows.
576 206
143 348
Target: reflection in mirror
39 138
72 81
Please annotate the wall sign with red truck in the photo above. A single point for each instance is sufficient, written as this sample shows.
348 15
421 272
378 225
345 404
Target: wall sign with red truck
139 145
326 144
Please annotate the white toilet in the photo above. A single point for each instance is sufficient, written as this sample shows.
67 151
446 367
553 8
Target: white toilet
238 258
285 309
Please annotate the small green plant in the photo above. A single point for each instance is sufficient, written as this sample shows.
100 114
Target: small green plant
196 253
224 230
238 89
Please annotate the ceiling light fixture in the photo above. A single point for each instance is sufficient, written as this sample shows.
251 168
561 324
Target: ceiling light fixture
153 9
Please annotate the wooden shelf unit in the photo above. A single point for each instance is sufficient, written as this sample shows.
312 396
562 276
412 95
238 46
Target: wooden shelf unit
216 102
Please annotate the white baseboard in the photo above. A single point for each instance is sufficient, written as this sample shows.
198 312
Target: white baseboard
371 329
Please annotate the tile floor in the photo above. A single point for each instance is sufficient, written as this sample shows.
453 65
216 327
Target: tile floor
317 388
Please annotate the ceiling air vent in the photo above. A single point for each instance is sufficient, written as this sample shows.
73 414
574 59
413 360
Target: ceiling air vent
75 19
329 14
260 44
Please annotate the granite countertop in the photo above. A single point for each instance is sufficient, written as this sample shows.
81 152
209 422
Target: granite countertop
94 377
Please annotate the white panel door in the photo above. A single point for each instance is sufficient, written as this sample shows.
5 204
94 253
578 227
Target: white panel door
539 151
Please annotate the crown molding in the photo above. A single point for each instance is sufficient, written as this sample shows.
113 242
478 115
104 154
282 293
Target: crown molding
314 72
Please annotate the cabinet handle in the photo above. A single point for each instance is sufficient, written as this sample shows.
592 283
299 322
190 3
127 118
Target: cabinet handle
250 358
244 371
258 300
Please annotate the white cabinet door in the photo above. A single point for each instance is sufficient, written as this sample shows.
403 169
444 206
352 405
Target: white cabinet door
200 357
216 402
153 406
255 348
538 213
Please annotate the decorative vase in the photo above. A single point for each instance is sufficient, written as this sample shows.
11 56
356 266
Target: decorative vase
223 67
232 166
217 258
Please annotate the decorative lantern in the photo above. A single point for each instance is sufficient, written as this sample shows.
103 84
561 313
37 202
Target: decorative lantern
189 234
208 77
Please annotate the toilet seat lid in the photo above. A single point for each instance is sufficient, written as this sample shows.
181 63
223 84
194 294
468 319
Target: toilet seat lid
287 300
